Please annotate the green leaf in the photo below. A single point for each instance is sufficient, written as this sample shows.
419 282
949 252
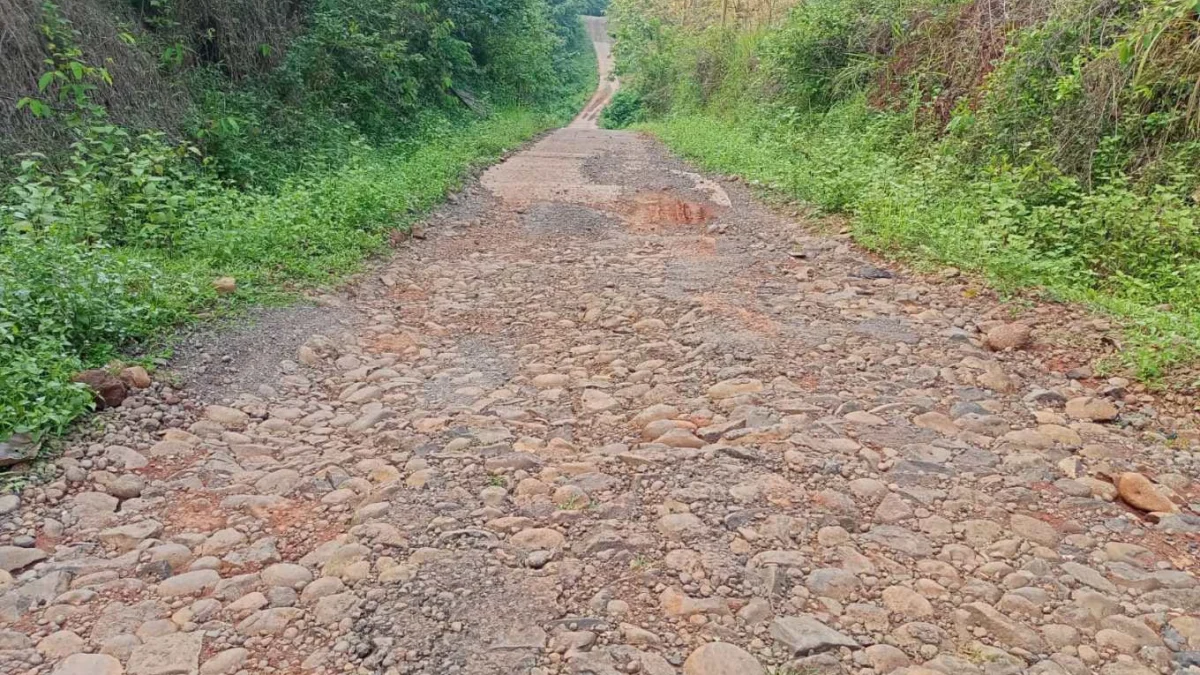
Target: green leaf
45 80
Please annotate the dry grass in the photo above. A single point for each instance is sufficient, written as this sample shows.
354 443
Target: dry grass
242 37
953 53
140 97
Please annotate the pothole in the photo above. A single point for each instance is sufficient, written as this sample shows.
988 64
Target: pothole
657 210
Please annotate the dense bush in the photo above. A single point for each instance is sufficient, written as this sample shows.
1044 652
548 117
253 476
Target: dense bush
624 109
287 177
1048 144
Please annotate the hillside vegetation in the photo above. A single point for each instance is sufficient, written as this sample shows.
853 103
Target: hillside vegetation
154 146
1047 143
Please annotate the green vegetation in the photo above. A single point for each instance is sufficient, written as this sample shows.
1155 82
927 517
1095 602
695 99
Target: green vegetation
290 165
594 7
625 109
1048 145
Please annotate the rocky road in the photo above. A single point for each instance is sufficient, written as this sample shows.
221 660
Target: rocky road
607 415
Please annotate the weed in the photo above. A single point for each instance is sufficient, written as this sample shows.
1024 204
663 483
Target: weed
640 562
575 503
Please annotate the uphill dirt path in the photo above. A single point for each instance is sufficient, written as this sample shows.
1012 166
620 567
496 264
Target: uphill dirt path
611 416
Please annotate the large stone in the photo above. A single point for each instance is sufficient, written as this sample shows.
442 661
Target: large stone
188 583
1092 409
107 389
89 664
1008 337
230 418
226 662
1037 531
286 574
680 526
538 538
721 658
1000 627
136 377
739 386
37 593
1140 493
333 608
16 449
13 558
127 537
900 539
595 400
803 634
60 644
279 482
271 621
171 654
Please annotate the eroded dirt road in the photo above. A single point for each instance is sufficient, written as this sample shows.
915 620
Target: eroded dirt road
611 417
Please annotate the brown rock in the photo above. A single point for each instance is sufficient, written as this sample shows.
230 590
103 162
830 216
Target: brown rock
224 285
1140 493
1008 337
108 390
721 658
1092 409
89 664
136 377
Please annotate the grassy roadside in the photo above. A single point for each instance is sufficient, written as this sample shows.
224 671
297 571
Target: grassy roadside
930 214
67 303
1049 147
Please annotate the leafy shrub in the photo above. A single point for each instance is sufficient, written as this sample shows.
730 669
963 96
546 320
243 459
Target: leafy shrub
624 109
64 305
112 188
